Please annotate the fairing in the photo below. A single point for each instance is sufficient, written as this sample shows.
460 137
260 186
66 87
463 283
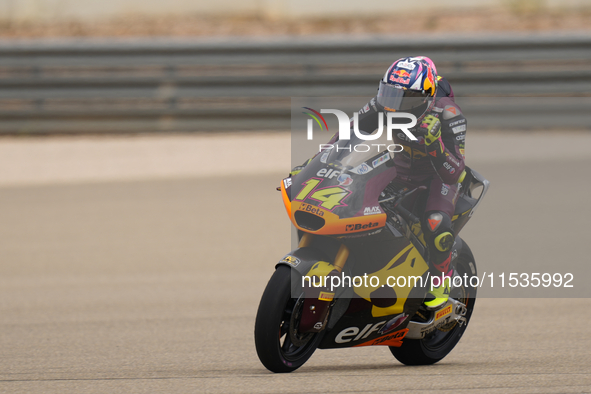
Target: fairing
337 192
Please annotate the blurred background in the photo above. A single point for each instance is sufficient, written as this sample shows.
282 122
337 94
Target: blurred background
131 66
141 143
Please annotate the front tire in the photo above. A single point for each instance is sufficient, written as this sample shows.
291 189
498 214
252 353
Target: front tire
280 347
440 343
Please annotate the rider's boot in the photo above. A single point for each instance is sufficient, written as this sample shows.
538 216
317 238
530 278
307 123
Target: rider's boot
440 245
440 294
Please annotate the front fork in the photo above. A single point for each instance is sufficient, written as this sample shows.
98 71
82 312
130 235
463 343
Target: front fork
318 297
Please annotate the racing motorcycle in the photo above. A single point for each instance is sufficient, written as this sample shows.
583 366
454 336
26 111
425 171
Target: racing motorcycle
354 224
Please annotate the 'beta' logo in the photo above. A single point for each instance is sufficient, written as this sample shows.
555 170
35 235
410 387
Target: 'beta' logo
312 209
358 227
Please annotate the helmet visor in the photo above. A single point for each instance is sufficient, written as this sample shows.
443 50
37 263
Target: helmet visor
396 99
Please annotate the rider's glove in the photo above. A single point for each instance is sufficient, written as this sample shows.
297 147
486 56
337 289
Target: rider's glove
431 128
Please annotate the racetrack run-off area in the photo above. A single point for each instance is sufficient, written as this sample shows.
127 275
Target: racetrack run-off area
136 264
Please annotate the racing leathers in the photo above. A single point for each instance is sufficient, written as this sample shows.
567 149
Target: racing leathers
435 160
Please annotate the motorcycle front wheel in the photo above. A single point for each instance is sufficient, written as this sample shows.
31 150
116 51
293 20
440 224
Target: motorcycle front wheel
279 345
440 343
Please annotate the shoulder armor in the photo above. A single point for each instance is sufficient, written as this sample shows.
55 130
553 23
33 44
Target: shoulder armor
451 111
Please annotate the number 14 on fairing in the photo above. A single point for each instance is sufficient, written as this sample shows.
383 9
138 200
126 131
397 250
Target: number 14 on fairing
330 196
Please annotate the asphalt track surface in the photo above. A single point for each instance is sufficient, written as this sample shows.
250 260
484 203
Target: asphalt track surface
151 286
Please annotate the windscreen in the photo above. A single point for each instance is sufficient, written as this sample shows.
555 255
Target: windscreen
351 153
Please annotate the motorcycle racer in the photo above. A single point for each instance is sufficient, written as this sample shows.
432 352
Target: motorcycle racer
435 159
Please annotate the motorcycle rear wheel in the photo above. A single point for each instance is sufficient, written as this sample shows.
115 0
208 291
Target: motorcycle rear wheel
280 347
440 343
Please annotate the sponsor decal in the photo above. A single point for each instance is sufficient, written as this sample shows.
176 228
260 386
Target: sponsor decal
360 227
324 296
397 335
437 109
449 168
401 73
404 81
312 209
361 169
407 65
372 210
459 129
354 333
433 223
291 260
450 112
380 160
461 137
328 173
443 312
451 109
345 180
318 325
444 190
324 156
287 183
457 122
462 151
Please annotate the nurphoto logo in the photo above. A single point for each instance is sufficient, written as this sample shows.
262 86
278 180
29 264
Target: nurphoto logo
345 129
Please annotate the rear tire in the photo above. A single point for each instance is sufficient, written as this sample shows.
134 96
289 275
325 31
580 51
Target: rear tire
440 343
280 347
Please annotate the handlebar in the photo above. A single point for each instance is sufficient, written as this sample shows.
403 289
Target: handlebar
397 199
407 215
